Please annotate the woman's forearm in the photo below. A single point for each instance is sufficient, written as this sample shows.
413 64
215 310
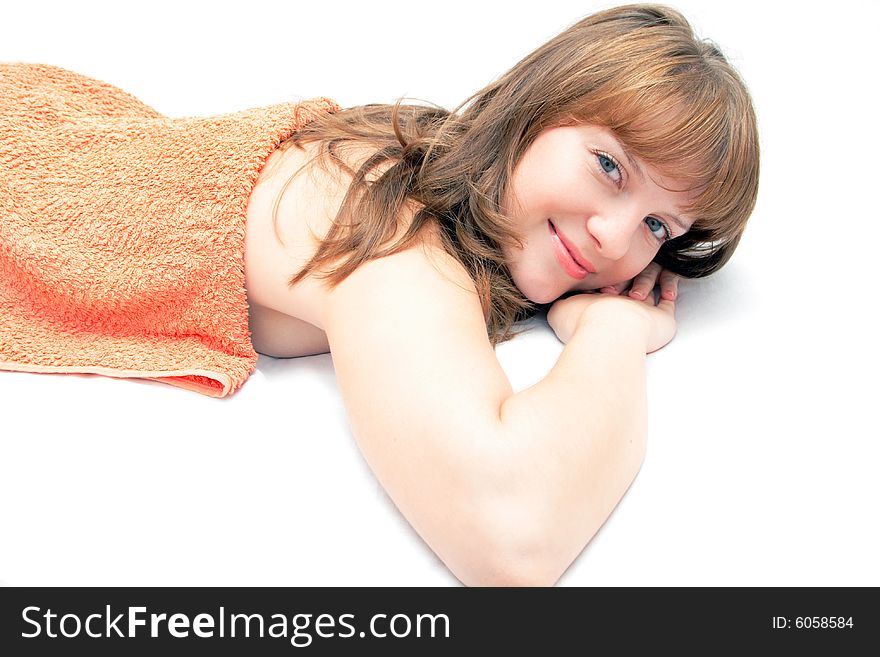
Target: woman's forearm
577 439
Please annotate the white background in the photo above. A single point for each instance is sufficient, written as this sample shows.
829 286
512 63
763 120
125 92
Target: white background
763 446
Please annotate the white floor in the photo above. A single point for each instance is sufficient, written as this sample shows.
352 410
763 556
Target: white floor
764 440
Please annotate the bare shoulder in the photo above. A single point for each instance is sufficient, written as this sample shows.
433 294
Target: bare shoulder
421 286
418 298
410 327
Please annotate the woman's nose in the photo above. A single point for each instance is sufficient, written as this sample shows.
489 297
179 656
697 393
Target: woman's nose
613 234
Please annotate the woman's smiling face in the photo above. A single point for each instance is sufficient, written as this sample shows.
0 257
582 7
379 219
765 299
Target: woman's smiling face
589 214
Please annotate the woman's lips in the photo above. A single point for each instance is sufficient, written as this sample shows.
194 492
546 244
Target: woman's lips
574 264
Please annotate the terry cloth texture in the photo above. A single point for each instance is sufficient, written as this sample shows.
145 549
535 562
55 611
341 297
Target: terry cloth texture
122 230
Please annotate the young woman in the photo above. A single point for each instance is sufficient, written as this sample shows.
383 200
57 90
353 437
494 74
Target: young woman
406 241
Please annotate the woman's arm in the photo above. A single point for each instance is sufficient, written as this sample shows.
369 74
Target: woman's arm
580 435
505 488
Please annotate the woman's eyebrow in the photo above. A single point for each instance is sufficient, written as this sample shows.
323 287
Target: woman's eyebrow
630 160
680 223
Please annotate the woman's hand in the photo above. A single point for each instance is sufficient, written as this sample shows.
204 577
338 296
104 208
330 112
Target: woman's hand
641 285
658 318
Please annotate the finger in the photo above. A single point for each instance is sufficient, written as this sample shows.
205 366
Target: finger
669 285
645 281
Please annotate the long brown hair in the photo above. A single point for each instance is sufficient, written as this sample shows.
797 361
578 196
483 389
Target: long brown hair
638 70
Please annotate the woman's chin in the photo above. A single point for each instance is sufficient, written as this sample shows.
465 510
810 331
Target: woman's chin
540 295
536 288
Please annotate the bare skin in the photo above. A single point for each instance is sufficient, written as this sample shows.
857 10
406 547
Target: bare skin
287 321
506 488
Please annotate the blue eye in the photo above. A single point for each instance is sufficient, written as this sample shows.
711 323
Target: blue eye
610 167
659 229
607 163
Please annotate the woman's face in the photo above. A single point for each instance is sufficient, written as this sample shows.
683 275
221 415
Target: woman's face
575 191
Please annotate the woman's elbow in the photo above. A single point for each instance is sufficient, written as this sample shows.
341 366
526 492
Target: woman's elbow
504 572
508 558
530 538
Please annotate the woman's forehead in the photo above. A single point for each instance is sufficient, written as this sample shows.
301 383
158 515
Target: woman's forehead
667 177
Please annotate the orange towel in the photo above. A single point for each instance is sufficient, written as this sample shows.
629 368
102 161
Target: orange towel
122 231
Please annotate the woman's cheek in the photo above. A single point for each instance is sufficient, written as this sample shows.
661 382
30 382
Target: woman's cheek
637 265
624 273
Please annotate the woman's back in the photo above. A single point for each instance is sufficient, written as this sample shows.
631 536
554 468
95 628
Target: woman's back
287 320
